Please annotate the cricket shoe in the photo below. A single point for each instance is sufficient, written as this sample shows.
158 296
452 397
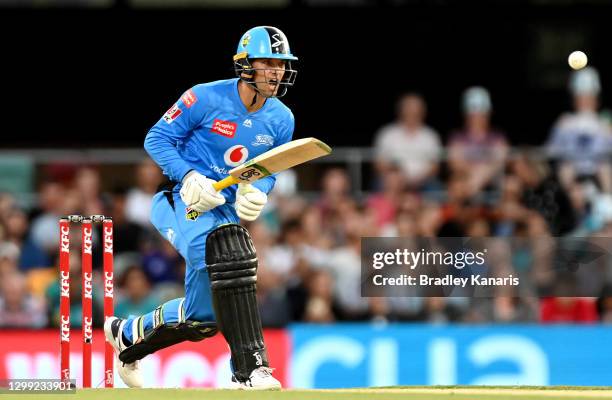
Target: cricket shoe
130 373
260 379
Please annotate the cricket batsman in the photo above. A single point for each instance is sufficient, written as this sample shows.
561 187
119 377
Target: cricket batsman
212 128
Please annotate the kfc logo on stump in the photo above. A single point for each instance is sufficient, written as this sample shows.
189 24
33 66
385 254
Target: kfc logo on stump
108 284
65 328
224 128
87 331
236 155
65 284
87 232
65 241
87 289
108 240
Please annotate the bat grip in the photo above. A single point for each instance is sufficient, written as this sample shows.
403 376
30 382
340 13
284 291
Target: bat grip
225 182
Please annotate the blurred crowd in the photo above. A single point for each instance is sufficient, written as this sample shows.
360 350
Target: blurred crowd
472 182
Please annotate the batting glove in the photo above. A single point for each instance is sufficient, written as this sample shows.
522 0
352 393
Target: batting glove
199 194
249 201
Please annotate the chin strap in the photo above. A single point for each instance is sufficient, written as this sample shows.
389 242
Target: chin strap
254 99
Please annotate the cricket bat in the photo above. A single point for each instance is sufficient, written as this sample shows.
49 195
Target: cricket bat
275 160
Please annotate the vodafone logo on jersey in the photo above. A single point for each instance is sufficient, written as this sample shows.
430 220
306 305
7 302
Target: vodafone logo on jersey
236 155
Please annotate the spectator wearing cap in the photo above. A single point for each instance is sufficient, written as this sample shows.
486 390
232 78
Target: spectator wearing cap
581 140
409 143
477 152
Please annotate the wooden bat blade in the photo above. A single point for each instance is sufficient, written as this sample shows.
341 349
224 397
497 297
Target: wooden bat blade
275 160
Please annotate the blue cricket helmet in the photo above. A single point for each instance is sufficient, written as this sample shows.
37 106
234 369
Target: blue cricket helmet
264 42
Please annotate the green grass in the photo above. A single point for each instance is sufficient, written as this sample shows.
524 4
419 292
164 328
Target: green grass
390 393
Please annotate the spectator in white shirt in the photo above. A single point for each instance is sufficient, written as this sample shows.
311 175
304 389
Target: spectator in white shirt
581 140
409 144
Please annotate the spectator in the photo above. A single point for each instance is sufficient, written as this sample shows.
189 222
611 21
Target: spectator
291 254
335 202
9 258
581 141
138 203
543 194
87 186
44 227
136 295
459 208
274 307
344 266
128 235
320 307
478 152
17 227
18 309
160 261
385 204
409 144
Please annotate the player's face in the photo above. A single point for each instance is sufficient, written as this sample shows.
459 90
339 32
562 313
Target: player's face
268 75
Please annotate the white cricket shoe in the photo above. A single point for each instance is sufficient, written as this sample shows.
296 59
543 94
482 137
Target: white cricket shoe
260 379
130 373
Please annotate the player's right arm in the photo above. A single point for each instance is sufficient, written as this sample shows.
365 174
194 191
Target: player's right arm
161 143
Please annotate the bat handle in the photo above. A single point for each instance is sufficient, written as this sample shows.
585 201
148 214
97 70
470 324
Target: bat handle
225 182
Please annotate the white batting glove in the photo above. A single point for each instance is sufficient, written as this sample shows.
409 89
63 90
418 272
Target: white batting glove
199 194
249 201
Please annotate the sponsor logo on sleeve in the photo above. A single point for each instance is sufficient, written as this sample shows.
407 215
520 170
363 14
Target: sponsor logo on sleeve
173 113
224 128
189 98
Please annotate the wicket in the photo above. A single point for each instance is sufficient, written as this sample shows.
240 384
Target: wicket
86 293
